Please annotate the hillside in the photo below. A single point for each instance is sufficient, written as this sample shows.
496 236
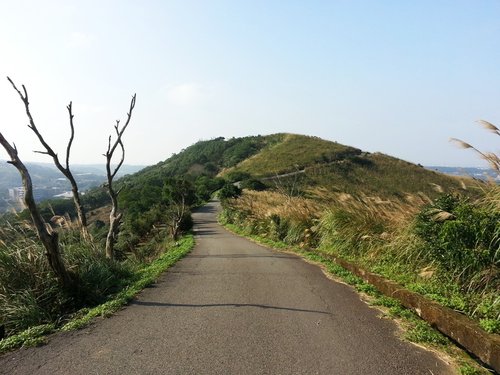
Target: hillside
316 168
320 170
336 167
208 157
329 167
294 152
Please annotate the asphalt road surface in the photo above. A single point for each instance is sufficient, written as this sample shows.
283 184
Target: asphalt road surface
234 307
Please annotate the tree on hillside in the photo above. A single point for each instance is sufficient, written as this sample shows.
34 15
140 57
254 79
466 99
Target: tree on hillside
49 237
179 194
65 170
228 191
114 215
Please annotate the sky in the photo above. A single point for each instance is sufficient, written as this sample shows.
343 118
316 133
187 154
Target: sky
398 77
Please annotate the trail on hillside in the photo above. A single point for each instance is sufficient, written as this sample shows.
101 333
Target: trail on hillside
233 307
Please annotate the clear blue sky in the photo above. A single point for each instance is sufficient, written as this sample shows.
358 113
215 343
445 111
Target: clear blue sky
399 77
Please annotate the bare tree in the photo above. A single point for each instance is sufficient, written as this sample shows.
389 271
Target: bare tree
179 196
65 170
114 215
48 236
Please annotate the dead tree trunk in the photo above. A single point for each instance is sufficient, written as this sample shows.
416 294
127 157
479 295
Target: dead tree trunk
65 170
114 215
178 213
48 237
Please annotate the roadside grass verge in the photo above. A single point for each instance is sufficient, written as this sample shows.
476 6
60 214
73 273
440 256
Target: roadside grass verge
414 328
142 278
445 250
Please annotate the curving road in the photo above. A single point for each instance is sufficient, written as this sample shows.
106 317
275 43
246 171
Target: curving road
233 307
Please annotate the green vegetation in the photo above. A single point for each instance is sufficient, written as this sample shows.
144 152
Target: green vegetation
229 191
437 235
462 239
454 261
291 152
30 294
207 157
135 277
156 203
415 329
371 209
383 176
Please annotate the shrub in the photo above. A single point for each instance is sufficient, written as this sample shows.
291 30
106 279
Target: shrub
253 184
462 238
229 191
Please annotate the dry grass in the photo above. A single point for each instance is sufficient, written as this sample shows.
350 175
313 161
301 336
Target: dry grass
492 158
293 152
264 204
360 218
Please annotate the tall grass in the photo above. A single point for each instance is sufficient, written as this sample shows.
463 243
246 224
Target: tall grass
27 286
29 292
416 241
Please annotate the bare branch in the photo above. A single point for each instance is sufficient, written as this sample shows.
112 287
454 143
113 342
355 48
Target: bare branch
121 160
11 150
49 151
120 132
115 216
70 142
33 127
109 146
23 98
48 237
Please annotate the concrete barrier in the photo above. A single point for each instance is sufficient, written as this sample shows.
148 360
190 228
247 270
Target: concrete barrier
458 327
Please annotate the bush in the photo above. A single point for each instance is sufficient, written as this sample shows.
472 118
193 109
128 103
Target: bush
236 176
229 191
253 184
462 238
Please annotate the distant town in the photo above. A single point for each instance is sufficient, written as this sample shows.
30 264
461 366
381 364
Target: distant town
48 182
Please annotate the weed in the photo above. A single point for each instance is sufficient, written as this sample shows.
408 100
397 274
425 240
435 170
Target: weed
140 278
32 336
490 325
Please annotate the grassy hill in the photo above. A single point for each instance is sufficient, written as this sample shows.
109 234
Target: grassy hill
209 157
318 169
329 167
293 152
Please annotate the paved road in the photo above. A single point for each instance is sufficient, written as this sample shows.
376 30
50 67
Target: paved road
233 307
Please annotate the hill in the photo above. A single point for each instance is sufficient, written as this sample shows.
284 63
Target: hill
322 163
327 167
209 157
289 164
294 164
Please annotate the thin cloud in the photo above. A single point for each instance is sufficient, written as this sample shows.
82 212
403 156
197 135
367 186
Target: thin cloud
79 40
185 94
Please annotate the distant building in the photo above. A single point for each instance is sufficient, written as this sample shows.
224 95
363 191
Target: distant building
16 198
16 194
65 195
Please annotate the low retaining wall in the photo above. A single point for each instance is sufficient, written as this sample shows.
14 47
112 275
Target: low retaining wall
463 330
